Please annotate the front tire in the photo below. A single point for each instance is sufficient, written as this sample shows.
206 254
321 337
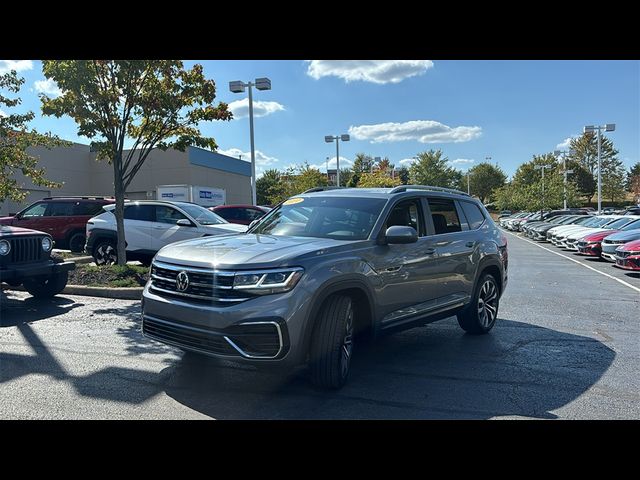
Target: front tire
105 252
480 315
48 287
332 343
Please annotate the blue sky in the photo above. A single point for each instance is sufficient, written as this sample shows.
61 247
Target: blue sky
507 110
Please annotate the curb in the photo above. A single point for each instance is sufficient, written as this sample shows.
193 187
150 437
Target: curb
80 259
120 293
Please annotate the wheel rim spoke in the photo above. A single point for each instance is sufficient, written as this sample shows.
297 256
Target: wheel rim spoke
487 303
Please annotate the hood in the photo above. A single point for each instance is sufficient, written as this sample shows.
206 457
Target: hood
13 231
231 227
598 236
630 246
587 231
561 230
627 236
248 251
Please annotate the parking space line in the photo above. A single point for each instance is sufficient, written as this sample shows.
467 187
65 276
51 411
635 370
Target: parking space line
575 261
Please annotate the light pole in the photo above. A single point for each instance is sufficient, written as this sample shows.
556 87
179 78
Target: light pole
607 127
238 87
566 172
345 138
468 183
542 167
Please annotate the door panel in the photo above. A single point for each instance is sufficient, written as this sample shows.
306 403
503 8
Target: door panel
165 229
138 225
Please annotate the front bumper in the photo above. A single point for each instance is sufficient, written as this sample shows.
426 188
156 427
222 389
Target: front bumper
16 273
263 330
589 249
631 262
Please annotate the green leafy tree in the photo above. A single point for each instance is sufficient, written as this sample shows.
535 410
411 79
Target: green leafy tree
157 104
301 178
345 176
403 174
613 180
582 178
585 148
15 139
633 176
432 168
361 164
484 179
269 188
378 179
385 165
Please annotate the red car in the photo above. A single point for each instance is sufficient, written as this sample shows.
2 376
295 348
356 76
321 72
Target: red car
591 245
628 256
242 214
64 218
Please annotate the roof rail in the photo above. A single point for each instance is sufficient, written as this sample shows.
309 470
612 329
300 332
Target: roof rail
404 188
82 197
320 189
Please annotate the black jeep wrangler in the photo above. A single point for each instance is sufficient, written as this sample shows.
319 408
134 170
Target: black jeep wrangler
25 259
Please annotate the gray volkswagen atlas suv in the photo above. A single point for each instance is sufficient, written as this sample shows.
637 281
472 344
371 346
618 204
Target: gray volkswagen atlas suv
326 269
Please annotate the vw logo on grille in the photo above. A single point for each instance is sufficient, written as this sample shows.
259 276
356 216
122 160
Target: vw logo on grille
182 281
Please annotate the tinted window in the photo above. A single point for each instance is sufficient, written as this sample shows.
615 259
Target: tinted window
87 208
145 213
473 213
444 215
228 213
168 215
36 210
60 209
253 214
202 215
407 214
323 217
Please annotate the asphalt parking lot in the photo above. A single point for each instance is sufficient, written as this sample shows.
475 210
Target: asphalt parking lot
565 346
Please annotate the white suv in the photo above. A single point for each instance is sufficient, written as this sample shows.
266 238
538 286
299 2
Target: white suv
149 226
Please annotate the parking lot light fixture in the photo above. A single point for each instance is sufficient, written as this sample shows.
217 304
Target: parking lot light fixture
564 153
607 127
542 167
330 138
238 86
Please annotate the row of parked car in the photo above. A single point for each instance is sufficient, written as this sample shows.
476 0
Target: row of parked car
614 238
88 224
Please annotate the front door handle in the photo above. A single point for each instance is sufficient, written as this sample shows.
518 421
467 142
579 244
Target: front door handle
158 227
430 251
470 244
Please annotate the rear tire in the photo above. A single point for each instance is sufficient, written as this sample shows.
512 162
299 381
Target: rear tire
76 242
105 252
48 287
480 315
332 343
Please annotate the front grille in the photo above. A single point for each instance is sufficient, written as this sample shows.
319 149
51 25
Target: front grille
250 340
613 242
28 249
624 254
188 337
582 244
210 286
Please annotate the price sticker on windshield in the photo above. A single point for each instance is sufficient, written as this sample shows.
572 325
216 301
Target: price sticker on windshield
293 201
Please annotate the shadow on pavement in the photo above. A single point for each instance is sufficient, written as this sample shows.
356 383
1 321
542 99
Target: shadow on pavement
16 311
430 372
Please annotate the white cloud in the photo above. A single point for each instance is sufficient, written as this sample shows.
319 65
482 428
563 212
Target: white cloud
17 65
375 71
423 131
566 143
240 108
48 87
406 162
2 114
262 160
344 163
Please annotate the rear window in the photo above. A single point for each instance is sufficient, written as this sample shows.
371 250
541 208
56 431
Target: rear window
87 208
474 215
60 209
445 216
145 213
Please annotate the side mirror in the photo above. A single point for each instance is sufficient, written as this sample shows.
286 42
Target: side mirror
254 222
401 234
183 222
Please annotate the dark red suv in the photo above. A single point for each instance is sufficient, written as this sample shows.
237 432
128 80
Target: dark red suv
242 214
64 218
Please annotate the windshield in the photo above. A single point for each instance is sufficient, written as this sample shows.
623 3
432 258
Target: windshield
632 226
202 215
621 222
323 217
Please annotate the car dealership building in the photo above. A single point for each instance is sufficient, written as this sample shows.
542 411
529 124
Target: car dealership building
81 174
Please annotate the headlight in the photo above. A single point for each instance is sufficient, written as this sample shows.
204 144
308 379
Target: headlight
263 282
46 244
5 247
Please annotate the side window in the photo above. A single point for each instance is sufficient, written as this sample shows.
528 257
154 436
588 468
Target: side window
145 213
409 214
228 213
474 215
60 209
444 215
87 208
34 211
168 215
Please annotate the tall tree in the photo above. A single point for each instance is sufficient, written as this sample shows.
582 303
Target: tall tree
403 174
269 188
585 148
15 139
385 165
378 179
585 182
634 173
484 179
432 168
157 104
613 180
361 164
